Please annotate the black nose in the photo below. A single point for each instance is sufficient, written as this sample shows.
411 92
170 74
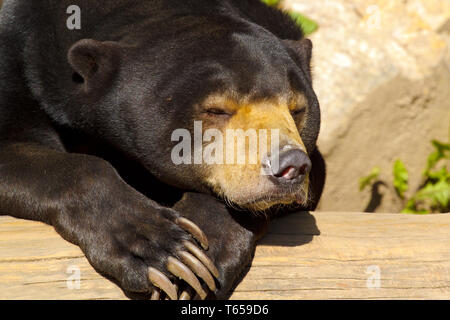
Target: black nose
293 164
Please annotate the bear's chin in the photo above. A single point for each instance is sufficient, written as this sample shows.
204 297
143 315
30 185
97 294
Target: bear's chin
264 205
269 202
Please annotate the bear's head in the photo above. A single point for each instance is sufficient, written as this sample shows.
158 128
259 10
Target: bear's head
212 105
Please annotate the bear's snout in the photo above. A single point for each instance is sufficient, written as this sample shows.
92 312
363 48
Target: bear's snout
290 166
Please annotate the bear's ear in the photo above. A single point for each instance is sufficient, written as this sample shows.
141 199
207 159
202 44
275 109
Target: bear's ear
303 49
94 62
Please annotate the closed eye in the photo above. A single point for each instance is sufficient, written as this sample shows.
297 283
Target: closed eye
298 111
218 112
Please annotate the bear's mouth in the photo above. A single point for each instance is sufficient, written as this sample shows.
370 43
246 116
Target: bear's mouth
280 199
263 194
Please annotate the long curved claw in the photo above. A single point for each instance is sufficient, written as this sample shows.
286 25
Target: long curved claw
158 279
186 295
202 257
199 269
156 295
193 229
182 271
197 297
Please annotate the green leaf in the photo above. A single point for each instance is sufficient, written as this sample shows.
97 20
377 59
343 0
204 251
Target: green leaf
415 211
442 174
442 193
442 152
433 158
411 208
308 26
271 2
438 193
400 178
367 180
441 145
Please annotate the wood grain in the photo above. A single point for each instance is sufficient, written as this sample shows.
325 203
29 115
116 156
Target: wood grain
323 255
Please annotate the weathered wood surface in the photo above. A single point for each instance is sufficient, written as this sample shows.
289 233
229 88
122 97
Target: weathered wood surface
318 256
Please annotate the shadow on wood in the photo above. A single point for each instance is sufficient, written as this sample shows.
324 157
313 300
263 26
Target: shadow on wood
298 229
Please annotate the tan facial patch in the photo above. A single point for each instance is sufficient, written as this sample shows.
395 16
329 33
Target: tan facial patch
253 123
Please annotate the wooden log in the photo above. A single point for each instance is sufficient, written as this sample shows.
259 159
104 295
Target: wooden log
304 256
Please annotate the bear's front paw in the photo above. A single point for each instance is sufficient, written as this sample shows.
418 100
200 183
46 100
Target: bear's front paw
148 250
187 263
232 237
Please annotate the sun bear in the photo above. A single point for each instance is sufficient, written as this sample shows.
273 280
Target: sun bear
96 100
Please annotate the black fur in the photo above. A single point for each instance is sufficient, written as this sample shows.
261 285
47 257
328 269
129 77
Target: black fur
85 124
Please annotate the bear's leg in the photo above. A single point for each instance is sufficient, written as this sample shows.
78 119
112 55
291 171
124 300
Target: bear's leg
125 235
232 236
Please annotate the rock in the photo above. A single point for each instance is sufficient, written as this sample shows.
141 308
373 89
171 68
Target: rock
382 75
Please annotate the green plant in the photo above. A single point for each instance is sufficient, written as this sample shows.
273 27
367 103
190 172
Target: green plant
369 179
400 178
271 2
433 194
308 26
